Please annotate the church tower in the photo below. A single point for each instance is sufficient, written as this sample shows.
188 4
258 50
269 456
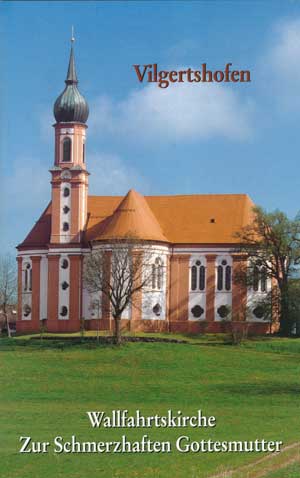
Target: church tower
69 174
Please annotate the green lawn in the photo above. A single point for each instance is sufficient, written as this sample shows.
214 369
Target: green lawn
291 471
253 390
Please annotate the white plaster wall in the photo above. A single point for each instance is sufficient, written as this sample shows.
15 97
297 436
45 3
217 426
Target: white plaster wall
65 201
253 298
197 297
91 305
151 297
222 297
26 295
43 287
64 295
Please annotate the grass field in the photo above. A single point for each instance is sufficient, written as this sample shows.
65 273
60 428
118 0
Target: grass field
46 389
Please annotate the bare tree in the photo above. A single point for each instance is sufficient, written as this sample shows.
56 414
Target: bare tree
8 286
95 309
272 245
119 273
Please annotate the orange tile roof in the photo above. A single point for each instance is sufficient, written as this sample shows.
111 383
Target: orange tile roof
182 219
39 236
132 217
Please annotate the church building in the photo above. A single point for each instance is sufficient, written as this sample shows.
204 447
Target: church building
193 238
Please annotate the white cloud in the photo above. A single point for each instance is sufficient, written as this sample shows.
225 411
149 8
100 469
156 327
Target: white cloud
184 112
111 176
27 189
281 63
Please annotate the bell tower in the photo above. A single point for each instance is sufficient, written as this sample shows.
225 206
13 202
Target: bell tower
69 174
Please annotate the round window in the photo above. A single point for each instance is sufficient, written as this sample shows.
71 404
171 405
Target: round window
197 311
26 310
157 309
223 311
258 312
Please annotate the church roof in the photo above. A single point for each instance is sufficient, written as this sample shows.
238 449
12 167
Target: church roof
133 217
181 219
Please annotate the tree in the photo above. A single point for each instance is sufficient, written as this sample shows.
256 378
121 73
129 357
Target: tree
8 287
119 273
294 305
272 245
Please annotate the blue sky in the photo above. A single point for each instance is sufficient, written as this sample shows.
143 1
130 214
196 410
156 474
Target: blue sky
191 138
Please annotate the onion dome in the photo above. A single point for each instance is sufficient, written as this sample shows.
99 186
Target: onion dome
71 106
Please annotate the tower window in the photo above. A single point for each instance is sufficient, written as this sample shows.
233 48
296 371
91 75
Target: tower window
63 311
66 192
64 285
64 264
65 226
67 150
66 209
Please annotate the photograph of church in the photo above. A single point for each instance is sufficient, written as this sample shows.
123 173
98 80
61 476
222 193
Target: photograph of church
193 238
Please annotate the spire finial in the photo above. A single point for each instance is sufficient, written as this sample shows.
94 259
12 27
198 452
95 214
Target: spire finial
71 75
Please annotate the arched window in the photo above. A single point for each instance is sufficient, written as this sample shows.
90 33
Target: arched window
224 272
157 274
263 279
66 192
259 278
197 276
65 226
255 278
67 150
220 278
194 278
153 276
228 278
201 278
28 277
